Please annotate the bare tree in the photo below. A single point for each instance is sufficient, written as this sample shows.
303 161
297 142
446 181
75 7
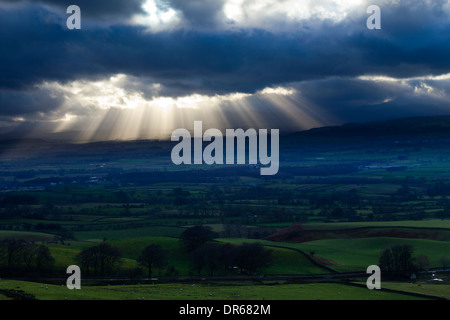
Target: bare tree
12 252
398 259
153 256
195 237
207 256
102 258
251 257
44 259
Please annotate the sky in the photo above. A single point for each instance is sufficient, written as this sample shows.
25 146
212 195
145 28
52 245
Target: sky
139 69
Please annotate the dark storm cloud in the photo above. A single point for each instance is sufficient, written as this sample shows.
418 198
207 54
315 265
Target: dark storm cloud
198 13
357 100
100 9
28 103
218 62
36 47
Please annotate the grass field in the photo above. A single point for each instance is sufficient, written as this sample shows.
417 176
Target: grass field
204 291
285 261
177 256
438 290
342 255
357 254
66 255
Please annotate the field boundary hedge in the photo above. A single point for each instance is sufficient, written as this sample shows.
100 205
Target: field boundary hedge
318 264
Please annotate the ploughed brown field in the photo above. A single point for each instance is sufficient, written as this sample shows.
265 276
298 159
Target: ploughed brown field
297 233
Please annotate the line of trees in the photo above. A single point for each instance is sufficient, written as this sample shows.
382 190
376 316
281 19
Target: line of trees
399 260
153 257
20 256
249 258
100 260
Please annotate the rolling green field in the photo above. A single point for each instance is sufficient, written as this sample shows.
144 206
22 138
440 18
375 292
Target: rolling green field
291 262
285 261
358 254
204 291
437 290
345 255
332 207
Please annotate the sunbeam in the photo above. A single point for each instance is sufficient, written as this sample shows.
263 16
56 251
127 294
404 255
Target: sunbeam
118 108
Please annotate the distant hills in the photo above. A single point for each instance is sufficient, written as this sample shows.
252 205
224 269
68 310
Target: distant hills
436 125
413 127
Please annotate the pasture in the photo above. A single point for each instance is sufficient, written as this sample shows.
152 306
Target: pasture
204 291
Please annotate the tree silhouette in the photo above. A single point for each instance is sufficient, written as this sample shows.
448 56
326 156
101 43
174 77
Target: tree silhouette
251 257
398 259
195 237
102 258
153 256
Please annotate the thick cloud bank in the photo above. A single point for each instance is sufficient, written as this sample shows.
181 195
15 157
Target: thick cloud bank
170 50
